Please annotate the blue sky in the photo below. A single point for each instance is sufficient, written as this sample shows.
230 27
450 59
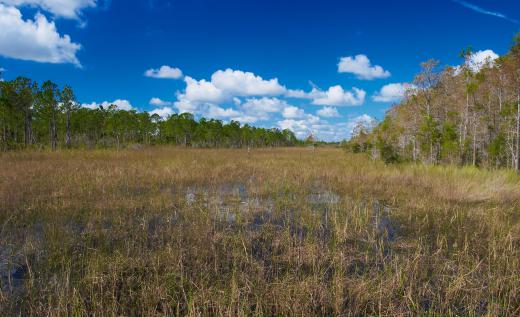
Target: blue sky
311 66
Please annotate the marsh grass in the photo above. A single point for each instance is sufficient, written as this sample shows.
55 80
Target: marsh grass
166 231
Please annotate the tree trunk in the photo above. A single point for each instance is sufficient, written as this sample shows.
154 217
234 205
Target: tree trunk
28 128
54 137
67 134
474 158
517 161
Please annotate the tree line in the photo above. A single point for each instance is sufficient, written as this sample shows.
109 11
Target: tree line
460 115
41 116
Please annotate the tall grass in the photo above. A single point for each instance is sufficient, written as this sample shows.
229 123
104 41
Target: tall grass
166 231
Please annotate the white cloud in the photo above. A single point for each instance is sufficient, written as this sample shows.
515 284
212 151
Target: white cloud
292 112
202 91
334 96
328 112
391 92
484 11
237 101
185 105
208 110
363 119
164 72
315 93
228 85
217 112
239 83
245 119
262 108
159 102
337 96
70 9
34 40
247 98
331 132
163 112
361 67
478 60
121 104
296 93
324 130
303 127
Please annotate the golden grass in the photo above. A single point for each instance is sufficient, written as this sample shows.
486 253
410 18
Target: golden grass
168 231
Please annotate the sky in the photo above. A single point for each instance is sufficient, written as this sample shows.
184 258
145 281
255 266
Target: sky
312 66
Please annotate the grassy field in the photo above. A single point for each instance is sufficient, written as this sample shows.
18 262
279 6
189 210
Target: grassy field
165 231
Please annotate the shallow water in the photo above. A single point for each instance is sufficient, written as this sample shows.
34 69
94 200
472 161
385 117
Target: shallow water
12 271
382 222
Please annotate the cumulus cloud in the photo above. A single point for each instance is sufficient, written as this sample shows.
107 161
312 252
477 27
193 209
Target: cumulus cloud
332 132
202 91
249 111
301 128
262 108
361 66
315 93
334 96
237 101
245 119
292 112
163 112
213 111
337 96
248 98
185 105
320 129
164 71
297 93
121 104
209 110
239 83
159 102
70 9
392 92
229 86
328 112
364 119
34 40
324 130
478 60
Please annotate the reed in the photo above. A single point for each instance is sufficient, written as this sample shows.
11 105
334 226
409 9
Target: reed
165 231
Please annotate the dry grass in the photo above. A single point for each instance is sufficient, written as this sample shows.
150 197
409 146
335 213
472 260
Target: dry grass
166 231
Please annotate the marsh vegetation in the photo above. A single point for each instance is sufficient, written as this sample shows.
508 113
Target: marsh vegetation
169 231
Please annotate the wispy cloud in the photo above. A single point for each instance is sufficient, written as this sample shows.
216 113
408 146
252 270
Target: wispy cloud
484 11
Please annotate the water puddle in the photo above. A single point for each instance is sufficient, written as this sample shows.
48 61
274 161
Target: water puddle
325 197
12 271
382 223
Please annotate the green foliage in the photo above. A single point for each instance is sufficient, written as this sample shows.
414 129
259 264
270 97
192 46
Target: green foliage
458 115
449 145
497 149
429 132
515 49
48 116
387 151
